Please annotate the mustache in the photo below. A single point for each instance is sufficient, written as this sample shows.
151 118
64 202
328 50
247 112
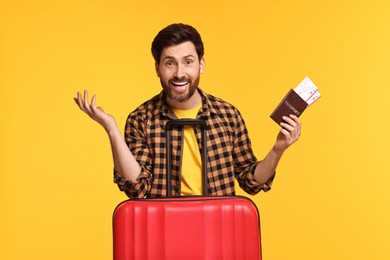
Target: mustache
184 78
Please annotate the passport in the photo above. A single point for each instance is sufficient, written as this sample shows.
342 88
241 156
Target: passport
296 100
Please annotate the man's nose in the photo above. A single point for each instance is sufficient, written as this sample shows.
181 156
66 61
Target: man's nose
180 72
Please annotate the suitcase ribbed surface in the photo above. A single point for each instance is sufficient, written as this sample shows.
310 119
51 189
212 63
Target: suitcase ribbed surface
208 228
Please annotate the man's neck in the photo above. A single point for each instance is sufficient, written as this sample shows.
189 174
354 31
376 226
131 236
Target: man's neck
192 102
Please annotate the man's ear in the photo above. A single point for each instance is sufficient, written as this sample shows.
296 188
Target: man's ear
202 64
156 68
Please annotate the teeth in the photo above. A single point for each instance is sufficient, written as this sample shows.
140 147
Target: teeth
179 83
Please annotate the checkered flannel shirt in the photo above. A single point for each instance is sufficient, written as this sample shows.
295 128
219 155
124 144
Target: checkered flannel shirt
229 149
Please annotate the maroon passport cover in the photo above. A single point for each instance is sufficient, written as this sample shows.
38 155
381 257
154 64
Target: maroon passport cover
292 103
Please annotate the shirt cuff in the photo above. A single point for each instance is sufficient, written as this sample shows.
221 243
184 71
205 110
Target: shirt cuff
256 186
134 189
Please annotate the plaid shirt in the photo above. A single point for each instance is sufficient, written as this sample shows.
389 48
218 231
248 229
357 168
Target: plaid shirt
229 149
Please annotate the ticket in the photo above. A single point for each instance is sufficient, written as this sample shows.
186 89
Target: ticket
308 91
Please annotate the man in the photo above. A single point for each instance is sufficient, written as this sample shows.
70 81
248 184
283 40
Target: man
139 159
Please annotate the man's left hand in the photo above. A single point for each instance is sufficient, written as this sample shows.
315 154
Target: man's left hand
289 133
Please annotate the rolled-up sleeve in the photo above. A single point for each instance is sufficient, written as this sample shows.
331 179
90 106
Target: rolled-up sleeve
245 161
248 183
135 140
134 189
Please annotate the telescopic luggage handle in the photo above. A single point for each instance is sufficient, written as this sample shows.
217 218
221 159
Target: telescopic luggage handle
185 122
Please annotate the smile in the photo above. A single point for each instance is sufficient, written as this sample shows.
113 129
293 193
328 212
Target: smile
179 84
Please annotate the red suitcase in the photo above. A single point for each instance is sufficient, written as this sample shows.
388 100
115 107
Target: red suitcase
199 228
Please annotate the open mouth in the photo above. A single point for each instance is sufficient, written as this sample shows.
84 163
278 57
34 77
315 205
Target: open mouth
179 84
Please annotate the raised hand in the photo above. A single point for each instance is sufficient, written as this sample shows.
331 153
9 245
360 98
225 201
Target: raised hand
96 113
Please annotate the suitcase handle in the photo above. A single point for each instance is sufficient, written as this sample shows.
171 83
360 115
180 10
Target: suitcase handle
185 122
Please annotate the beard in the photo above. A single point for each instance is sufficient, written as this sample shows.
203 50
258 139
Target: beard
184 95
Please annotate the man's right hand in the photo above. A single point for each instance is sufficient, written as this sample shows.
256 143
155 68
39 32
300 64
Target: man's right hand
96 113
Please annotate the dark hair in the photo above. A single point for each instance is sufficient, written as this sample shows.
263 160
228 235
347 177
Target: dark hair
175 34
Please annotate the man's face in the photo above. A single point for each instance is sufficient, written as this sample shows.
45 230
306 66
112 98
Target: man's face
179 71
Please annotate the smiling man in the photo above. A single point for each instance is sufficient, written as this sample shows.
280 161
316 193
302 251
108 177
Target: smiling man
179 69
139 158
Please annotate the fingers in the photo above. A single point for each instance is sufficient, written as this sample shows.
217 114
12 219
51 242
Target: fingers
291 127
93 101
87 106
79 101
83 102
93 104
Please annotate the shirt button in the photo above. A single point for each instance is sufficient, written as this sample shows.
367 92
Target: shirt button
177 187
177 164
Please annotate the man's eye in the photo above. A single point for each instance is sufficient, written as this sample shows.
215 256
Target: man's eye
189 62
169 63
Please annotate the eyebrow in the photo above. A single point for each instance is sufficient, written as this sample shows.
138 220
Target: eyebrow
173 58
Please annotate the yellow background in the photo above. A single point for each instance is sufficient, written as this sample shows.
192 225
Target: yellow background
330 199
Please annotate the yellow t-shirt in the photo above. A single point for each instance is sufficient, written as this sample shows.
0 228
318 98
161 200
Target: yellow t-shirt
191 172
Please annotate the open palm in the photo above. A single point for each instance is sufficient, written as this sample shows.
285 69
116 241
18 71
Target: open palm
94 112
